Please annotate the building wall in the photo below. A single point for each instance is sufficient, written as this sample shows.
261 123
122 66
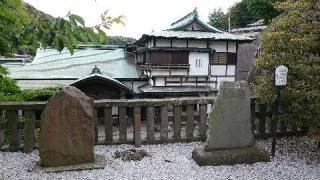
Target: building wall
199 63
163 43
179 43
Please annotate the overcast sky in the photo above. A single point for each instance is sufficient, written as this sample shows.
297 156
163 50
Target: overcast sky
142 16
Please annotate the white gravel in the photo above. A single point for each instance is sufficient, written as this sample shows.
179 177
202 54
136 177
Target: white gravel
295 159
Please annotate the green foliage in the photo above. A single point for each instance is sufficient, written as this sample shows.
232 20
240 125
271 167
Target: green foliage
243 13
41 94
9 91
119 40
218 19
293 39
21 25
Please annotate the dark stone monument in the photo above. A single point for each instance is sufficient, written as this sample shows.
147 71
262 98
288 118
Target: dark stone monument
230 139
66 136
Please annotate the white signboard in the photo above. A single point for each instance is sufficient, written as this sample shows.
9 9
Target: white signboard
281 74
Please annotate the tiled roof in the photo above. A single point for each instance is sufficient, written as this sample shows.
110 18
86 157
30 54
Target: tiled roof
198 35
103 77
190 18
52 64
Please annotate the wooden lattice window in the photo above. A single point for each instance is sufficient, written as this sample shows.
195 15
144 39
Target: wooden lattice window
218 58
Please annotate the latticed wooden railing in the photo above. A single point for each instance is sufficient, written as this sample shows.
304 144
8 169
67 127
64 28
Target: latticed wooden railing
135 121
261 120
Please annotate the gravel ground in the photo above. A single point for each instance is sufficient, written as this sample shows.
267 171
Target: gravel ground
295 159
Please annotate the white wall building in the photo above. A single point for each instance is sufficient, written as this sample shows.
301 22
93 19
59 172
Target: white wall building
189 55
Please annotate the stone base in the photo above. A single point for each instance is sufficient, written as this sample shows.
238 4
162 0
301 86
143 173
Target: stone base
99 163
248 155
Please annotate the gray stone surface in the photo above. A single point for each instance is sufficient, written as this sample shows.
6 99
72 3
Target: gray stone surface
66 135
247 155
99 163
229 122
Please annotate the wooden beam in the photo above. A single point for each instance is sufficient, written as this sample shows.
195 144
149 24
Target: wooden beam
190 121
95 124
177 121
14 139
122 123
154 102
29 131
108 124
203 122
164 123
137 126
150 123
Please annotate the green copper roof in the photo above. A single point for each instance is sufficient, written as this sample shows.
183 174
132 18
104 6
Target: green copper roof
52 64
189 19
197 35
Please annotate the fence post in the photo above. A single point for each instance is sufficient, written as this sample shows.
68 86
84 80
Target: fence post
14 139
137 126
164 123
203 122
253 115
190 121
150 123
262 119
29 131
95 124
177 121
122 123
2 125
108 124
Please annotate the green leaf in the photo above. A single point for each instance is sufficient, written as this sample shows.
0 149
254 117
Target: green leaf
77 18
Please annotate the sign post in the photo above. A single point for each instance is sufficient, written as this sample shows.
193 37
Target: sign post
280 81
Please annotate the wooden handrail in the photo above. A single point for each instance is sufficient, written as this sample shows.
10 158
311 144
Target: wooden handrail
25 105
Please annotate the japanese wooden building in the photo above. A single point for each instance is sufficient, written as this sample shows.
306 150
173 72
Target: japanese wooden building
189 58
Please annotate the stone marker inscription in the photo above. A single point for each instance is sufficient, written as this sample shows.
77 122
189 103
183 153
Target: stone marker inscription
66 136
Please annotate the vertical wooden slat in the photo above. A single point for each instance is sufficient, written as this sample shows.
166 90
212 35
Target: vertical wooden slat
14 139
137 126
253 116
108 124
294 127
150 123
164 123
95 124
177 121
2 134
190 121
270 110
29 131
122 124
283 125
262 118
203 122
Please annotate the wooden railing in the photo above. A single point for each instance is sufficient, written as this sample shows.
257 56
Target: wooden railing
135 121
261 120
164 66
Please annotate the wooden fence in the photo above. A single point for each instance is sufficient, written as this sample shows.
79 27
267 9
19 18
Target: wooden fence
133 121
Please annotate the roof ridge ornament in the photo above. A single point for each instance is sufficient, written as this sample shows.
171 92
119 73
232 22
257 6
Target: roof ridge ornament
96 70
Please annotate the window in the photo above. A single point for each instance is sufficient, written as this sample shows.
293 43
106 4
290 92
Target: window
161 58
180 57
222 58
169 57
